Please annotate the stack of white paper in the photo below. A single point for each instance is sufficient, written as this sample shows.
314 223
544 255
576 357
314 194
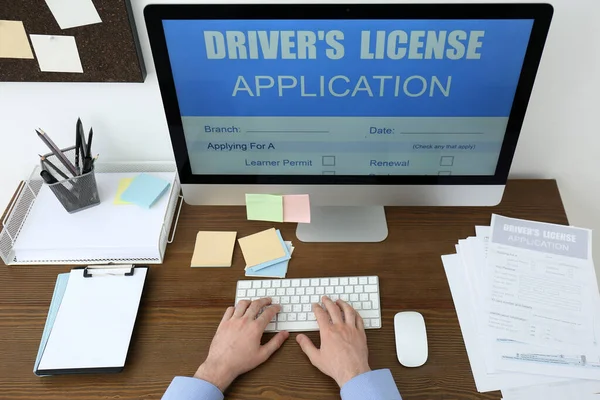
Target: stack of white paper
529 310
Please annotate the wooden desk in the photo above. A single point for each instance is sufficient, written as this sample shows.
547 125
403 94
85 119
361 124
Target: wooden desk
181 307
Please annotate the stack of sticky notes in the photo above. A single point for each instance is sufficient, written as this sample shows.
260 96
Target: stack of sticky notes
266 254
143 190
213 249
278 208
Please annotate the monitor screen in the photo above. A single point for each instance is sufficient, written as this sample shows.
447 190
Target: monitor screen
345 97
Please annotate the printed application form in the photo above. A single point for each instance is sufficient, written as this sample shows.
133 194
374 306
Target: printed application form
539 283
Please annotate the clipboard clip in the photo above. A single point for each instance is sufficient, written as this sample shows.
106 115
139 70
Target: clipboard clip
108 270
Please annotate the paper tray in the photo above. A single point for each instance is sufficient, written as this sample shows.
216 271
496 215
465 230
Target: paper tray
25 223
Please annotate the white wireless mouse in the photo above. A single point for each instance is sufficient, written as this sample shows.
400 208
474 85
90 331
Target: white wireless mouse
411 338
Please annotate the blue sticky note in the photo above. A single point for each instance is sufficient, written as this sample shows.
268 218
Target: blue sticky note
266 264
278 270
57 296
145 190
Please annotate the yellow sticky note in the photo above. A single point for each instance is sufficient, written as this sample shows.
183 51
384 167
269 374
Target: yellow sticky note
213 249
13 40
261 247
123 185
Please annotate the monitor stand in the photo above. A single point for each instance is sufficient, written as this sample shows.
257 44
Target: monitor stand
344 224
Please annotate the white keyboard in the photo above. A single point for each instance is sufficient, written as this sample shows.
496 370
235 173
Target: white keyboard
297 295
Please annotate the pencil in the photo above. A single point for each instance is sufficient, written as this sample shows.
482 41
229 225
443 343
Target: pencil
59 154
54 167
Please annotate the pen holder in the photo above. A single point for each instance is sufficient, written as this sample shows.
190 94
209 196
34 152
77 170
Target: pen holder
76 193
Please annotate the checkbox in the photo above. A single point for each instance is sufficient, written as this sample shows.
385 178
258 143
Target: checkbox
329 161
445 173
447 161
328 172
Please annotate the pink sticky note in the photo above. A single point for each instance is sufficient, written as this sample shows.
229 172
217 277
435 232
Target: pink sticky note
296 208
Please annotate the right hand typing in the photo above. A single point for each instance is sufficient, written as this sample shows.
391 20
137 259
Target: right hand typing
343 353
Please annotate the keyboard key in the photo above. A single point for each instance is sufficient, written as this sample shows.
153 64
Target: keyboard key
358 289
280 292
372 280
339 289
251 292
275 300
348 289
290 291
371 288
354 281
261 292
295 299
306 307
364 296
329 290
276 284
357 305
334 281
363 280
366 305
300 291
353 297
255 298
375 323
344 281
320 290
302 316
282 317
369 313
305 299
271 292
314 282
256 285
274 319
298 326
334 297
296 283
285 283
367 323
374 300
266 284
285 300
287 308
245 284
242 298
344 297
241 293
310 290
314 299
311 316
305 282
270 327
291 317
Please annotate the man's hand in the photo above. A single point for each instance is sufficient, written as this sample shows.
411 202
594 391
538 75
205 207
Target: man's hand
236 348
343 353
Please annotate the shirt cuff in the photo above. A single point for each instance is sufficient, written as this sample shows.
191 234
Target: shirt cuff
373 385
186 388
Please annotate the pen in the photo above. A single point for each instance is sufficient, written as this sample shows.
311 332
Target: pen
54 167
84 153
47 177
59 189
89 142
52 146
77 147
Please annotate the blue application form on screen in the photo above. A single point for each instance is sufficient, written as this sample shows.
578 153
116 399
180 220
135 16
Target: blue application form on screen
345 97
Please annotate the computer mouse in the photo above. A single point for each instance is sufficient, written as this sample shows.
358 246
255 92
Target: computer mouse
411 338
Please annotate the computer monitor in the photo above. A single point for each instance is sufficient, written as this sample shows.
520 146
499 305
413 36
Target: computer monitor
361 106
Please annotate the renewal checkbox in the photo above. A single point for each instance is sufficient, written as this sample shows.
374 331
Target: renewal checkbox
329 161
447 161
445 173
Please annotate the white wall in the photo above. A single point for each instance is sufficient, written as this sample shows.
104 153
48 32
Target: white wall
559 139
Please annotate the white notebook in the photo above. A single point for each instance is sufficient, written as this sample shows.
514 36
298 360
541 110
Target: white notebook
94 323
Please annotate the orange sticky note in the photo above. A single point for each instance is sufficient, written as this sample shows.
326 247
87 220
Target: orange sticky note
296 208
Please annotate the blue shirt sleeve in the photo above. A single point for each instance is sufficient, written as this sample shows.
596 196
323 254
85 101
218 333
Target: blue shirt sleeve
185 388
373 385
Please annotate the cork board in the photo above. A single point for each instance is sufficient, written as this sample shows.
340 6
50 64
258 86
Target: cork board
109 51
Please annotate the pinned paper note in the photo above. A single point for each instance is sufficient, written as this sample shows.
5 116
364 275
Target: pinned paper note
145 190
56 53
13 40
123 185
263 247
213 249
296 208
264 207
72 13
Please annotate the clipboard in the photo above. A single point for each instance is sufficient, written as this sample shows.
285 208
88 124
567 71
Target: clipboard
91 320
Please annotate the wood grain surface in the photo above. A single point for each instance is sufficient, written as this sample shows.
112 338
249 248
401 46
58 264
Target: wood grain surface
181 307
